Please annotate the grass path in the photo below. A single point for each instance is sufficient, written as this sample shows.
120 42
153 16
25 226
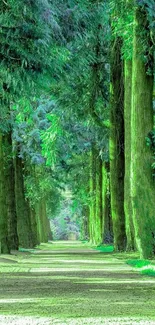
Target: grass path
68 283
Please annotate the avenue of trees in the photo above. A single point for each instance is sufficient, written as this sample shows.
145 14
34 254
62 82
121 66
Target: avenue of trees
77 101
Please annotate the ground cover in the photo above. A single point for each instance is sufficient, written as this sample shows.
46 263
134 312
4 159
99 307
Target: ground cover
71 283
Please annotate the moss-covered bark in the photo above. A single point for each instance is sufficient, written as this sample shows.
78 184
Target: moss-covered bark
116 146
50 235
142 183
84 232
42 221
10 197
92 195
22 208
130 233
106 211
4 244
98 217
95 216
33 220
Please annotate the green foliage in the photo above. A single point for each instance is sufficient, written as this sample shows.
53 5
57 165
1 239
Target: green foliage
146 267
66 221
105 248
149 6
25 40
150 142
138 263
148 271
50 139
122 25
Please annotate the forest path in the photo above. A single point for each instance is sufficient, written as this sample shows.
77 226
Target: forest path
68 283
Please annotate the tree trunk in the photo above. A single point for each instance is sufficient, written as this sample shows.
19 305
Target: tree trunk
10 198
130 233
85 222
116 147
142 183
50 236
107 220
32 213
95 217
22 208
42 221
4 245
92 195
98 217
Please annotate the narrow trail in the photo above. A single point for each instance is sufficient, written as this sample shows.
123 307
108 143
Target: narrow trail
68 283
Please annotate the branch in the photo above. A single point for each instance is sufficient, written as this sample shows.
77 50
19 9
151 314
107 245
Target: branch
5 3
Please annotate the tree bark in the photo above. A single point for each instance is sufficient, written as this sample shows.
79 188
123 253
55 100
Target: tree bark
42 221
116 146
10 197
92 214
4 244
95 217
22 208
142 183
98 217
130 233
33 220
107 220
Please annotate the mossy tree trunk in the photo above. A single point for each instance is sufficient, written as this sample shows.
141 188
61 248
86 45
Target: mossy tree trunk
98 217
10 197
22 208
42 221
106 211
142 183
130 233
33 220
4 243
50 235
92 214
85 223
95 217
116 146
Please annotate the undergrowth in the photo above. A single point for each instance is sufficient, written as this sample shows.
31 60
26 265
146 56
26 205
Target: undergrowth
105 248
146 267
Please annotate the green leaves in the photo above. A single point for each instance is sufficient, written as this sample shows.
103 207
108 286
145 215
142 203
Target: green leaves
25 35
49 140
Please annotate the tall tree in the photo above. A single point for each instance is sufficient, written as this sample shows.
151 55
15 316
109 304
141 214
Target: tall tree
10 191
26 31
4 245
116 145
22 208
142 183
128 53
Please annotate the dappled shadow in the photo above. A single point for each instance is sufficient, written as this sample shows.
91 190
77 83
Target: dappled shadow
74 285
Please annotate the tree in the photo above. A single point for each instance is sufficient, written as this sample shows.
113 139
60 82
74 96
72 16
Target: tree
142 183
3 210
25 34
116 145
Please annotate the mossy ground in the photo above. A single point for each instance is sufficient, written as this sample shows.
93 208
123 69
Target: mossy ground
71 283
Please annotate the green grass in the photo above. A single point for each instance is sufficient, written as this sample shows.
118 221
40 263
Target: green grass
29 250
150 272
145 266
105 248
62 279
138 263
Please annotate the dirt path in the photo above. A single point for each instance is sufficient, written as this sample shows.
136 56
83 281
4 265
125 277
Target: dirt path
67 283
